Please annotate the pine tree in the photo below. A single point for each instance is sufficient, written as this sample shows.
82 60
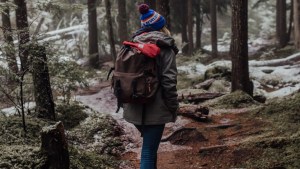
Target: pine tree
9 42
23 32
163 8
122 20
93 34
239 47
213 22
297 23
110 30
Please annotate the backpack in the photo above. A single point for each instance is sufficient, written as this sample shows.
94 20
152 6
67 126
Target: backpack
135 77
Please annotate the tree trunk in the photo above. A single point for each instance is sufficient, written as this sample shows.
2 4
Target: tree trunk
151 3
23 32
9 48
190 26
239 47
163 8
110 30
291 19
184 17
93 34
122 19
55 147
213 24
281 26
297 23
199 17
41 82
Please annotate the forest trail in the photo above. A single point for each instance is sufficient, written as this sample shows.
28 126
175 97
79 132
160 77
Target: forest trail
211 144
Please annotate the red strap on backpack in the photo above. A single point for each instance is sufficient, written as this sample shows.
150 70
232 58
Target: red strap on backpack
148 49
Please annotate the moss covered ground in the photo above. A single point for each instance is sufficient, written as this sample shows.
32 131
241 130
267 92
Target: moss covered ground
281 149
20 151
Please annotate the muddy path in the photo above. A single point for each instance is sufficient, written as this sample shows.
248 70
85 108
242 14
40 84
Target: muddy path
212 144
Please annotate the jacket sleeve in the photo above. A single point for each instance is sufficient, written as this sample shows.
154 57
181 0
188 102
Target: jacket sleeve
169 79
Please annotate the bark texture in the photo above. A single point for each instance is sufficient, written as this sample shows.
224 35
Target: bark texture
190 26
9 42
122 19
281 24
239 47
199 21
213 24
184 35
163 8
55 146
41 82
297 23
110 30
93 34
23 32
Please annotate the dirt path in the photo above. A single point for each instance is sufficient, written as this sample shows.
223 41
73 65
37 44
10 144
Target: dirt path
204 145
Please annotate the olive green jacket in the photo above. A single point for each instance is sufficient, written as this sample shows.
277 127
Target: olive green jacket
165 105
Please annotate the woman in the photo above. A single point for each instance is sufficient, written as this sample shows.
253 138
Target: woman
163 109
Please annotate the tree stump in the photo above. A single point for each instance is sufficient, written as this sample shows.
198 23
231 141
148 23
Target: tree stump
55 147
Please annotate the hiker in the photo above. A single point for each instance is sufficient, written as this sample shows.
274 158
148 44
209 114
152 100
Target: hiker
163 109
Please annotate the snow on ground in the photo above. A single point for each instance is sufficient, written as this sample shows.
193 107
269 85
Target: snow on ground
283 80
253 45
13 111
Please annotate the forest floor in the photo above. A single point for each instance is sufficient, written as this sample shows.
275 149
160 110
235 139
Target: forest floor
209 145
239 132
231 137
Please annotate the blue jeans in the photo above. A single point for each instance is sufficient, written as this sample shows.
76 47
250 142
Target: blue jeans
151 138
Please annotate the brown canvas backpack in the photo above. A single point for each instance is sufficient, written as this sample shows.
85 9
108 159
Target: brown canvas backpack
135 77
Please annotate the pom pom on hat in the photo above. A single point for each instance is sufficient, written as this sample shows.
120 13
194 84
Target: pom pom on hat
150 18
143 8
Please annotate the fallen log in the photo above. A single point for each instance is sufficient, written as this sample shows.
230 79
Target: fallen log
195 112
55 147
204 85
276 62
198 97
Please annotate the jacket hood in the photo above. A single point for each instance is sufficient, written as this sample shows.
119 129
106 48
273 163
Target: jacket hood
159 38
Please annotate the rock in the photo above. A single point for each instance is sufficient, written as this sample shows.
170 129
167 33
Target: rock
220 86
218 72
267 71
260 98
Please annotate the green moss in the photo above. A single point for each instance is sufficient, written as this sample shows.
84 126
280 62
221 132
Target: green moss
282 148
94 144
218 72
11 130
90 160
184 81
284 114
103 130
237 99
21 157
275 152
70 114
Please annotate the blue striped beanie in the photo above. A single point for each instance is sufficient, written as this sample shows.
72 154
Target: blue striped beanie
150 18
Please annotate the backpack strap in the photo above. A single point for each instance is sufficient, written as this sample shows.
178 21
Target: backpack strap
118 93
110 71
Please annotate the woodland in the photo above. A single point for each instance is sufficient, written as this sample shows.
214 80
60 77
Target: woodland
238 84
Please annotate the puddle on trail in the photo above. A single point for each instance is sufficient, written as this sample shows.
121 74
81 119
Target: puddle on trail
105 102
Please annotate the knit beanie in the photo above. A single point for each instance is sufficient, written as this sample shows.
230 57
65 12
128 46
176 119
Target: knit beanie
150 18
